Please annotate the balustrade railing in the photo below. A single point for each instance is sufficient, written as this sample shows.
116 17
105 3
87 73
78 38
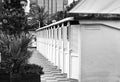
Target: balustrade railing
53 42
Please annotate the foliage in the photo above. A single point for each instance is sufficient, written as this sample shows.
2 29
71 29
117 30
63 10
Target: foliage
8 4
14 51
14 39
31 68
13 17
58 16
39 15
15 54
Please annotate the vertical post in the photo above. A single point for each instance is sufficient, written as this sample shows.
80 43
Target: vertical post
68 25
56 63
61 48
66 50
46 37
57 46
51 44
54 45
48 42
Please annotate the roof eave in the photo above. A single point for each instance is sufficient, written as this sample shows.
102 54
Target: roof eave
95 16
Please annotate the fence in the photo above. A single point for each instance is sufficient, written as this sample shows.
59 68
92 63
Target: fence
87 50
54 42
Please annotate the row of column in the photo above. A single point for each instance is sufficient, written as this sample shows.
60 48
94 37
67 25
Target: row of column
53 43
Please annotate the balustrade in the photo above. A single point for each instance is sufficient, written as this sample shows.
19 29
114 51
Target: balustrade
53 42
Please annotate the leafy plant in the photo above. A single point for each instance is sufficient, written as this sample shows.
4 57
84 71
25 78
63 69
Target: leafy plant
13 17
38 14
15 54
31 68
15 39
58 16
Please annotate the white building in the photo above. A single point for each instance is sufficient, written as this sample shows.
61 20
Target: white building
85 49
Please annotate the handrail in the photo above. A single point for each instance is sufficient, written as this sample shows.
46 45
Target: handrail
58 22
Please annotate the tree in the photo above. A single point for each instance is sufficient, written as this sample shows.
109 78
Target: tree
58 16
39 15
13 17
15 39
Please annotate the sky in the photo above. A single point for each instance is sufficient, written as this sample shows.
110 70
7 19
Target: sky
70 1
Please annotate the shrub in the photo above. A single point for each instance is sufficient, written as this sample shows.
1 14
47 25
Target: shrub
15 53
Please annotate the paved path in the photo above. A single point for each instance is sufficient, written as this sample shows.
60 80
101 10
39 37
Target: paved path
52 73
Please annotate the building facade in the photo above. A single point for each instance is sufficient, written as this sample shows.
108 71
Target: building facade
52 6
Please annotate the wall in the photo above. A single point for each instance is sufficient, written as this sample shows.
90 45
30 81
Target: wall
88 52
56 42
75 51
100 53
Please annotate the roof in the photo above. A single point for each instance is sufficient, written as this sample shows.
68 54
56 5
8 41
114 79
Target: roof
97 6
113 24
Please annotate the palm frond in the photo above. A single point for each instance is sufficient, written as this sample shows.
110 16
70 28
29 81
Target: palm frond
13 48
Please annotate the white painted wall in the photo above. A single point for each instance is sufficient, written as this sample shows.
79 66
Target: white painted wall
75 51
89 52
100 53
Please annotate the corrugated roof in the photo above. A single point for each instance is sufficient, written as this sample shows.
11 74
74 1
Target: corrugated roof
97 6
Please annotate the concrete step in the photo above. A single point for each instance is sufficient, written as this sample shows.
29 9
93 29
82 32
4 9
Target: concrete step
49 66
62 79
59 76
47 75
46 64
45 69
51 69
56 71
51 72
51 81
49 78
54 75
55 79
62 74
